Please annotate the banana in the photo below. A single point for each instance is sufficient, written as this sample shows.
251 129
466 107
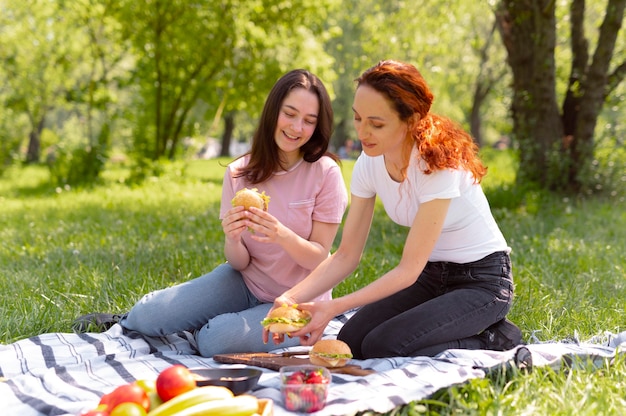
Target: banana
190 398
242 405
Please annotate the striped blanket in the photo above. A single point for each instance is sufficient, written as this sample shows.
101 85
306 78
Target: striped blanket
64 374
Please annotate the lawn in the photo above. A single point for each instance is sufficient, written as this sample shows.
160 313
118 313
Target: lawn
65 252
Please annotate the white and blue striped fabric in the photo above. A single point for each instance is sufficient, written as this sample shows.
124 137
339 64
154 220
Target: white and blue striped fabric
65 374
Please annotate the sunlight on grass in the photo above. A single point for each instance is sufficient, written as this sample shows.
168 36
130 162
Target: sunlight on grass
65 252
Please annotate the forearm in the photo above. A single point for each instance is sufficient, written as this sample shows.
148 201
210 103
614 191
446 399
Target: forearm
236 254
307 254
391 282
326 276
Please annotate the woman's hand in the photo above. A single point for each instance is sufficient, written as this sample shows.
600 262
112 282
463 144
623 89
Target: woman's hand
234 223
277 338
321 314
267 229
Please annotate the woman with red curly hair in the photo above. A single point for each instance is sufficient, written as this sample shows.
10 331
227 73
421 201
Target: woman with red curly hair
453 286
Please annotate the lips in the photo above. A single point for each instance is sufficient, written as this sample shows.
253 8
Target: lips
290 137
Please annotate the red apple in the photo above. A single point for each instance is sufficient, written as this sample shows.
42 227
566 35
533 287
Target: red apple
173 381
126 393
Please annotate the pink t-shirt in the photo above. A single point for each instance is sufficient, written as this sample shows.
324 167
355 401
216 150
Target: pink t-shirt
306 193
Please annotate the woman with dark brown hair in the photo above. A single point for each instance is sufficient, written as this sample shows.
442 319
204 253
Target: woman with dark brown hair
453 286
267 252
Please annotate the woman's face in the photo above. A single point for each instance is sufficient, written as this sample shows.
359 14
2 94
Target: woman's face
377 124
297 119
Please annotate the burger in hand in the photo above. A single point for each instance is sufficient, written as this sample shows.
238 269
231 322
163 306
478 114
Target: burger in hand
248 198
285 319
330 353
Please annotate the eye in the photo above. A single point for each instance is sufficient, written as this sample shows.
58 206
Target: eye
311 122
289 114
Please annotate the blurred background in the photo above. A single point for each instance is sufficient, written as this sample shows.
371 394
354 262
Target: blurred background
87 84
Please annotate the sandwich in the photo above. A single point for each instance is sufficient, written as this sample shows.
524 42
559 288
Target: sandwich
285 319
248 198
330 353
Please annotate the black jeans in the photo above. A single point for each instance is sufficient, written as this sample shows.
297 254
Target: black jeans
447 307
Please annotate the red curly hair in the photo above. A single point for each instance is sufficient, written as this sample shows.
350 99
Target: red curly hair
441 142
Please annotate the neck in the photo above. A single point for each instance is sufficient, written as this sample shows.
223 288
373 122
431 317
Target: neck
290 160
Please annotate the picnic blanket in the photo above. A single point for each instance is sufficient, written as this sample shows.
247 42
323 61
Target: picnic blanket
64 373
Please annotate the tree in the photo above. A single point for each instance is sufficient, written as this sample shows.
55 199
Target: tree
35 55
557 142
180 47
271 37
454 51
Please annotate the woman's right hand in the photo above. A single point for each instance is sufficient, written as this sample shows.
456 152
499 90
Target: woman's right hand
234 223
277 338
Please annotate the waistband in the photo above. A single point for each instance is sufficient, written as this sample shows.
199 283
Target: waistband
493 256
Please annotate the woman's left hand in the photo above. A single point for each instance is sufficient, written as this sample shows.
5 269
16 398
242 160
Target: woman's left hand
266 227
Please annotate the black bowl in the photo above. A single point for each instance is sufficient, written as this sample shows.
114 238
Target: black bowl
238 380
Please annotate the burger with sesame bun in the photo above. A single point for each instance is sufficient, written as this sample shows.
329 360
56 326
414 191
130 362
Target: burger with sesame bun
330 353
285 319
248 198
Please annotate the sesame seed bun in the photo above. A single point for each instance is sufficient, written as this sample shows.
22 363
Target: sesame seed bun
248 198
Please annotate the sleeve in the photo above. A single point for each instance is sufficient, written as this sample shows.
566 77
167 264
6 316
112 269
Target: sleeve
332 199
361 185
228 192
442 184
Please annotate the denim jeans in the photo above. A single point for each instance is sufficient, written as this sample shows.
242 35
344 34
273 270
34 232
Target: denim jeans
448 306
217 307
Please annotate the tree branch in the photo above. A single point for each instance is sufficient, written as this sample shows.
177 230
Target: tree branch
615 78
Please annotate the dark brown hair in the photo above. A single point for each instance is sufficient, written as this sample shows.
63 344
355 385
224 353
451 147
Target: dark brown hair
441 142
264 157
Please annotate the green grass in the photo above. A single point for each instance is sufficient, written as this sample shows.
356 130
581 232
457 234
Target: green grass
65 252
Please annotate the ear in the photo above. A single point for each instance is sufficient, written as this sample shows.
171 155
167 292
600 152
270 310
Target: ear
413 121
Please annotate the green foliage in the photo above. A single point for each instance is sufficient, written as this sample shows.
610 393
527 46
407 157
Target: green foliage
9 138
72 160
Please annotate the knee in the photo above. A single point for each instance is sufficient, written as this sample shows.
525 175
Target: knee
144 317
219 335
373 347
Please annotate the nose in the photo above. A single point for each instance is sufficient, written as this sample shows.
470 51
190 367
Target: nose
361 131
297 124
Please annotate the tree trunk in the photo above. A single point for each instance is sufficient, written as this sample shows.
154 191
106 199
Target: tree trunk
557 150
480 94
528 31
593 92
484 83
227 136
34 142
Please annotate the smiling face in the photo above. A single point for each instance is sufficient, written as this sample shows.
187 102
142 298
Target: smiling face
296 123
377 124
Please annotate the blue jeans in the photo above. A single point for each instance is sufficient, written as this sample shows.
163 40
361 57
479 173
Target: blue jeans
447 307
217 307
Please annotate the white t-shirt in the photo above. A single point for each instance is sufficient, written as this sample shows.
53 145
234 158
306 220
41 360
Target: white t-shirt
307 192
469 231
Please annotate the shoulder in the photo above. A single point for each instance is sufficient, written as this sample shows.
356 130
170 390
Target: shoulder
239 162
324 164
368 165
327 162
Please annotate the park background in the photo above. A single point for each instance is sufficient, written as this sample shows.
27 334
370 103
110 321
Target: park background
118 118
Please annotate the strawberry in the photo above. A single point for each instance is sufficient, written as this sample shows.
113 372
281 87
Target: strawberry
316 377
312 400
296 378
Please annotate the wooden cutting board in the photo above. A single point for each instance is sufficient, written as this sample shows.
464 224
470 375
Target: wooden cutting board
276 361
